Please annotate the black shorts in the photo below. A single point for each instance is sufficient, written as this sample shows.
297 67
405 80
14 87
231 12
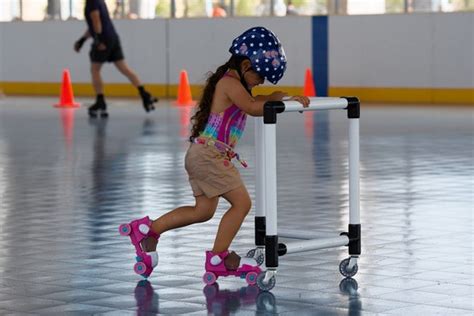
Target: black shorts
112 52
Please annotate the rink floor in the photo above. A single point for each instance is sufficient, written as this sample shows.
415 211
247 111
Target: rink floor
68 182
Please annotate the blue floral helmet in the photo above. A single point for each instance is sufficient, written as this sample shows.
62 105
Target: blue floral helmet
264 50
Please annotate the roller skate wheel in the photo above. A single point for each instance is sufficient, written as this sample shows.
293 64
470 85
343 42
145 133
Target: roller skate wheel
139 268
125 229
251 278
209 278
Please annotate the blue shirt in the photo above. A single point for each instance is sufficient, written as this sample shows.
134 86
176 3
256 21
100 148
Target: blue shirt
108 30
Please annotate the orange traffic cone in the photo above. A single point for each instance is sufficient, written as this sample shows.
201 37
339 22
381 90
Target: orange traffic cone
66 99
309 90
184 90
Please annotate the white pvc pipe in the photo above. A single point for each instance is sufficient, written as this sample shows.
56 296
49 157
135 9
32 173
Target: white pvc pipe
269 147
321 103
296 234
259 169
308 245
354 213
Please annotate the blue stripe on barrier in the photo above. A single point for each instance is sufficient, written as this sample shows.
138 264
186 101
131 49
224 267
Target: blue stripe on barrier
320 54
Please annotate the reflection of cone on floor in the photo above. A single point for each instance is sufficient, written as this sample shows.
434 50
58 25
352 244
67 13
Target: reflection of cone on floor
309 123
184 120
309 90
66 99
184 90
67 119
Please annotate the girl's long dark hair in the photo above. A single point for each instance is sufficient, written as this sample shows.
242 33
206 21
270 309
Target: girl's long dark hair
199 119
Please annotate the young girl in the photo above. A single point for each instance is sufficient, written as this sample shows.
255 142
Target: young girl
217 126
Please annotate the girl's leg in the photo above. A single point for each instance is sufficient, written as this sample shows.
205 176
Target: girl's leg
183 216
232 220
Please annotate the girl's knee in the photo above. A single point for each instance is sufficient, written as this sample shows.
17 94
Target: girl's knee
204 217
244 205
203 213
248 204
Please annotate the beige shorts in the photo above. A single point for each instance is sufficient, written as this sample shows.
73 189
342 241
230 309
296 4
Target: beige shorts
210 171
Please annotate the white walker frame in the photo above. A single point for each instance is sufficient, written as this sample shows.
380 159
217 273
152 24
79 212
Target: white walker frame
266 235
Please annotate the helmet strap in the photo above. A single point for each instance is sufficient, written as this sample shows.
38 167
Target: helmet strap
242 79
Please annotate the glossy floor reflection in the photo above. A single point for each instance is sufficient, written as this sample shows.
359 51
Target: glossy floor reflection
67 182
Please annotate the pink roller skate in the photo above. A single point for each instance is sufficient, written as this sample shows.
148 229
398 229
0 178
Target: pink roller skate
138 230
226 264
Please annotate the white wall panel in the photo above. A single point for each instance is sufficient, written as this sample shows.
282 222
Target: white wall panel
416 50
2 48
453 47
37 51
389 51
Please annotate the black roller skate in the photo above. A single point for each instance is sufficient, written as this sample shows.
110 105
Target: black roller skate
147 99
98 108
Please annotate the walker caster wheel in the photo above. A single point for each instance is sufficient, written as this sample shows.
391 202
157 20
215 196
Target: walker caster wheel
260 258
209 278
251 253
265 286
345 271
348 286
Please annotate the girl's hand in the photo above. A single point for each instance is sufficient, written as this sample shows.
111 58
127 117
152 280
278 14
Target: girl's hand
301 99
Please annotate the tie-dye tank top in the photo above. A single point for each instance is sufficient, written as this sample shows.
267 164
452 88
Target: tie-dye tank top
227 126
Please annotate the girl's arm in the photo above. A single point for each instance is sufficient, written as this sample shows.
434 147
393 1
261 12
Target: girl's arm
234 90
274 96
